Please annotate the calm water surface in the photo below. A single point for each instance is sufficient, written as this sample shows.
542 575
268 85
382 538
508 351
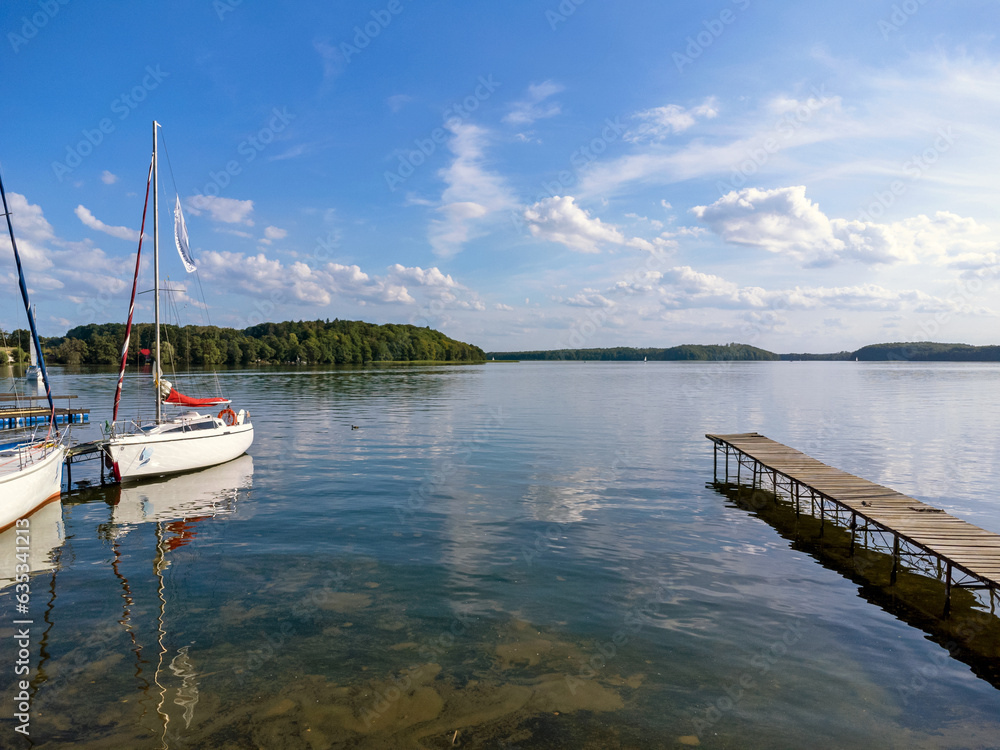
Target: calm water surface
521 555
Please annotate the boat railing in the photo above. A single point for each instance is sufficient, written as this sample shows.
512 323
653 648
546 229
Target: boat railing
27 453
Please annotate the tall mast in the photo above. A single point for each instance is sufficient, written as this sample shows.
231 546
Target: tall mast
27 308
156 276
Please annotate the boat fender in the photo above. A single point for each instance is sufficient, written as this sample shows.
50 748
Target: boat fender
228 416
242 415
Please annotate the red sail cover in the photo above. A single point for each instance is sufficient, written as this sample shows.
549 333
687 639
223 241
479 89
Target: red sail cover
176 397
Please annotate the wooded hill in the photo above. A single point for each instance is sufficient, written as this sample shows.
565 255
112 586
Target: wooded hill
307 342
726 352
920 351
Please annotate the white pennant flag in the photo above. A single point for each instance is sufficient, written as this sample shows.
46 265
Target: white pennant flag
181 238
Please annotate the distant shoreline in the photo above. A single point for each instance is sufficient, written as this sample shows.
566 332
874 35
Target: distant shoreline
920 351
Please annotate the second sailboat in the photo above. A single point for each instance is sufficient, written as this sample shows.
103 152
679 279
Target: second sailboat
189 440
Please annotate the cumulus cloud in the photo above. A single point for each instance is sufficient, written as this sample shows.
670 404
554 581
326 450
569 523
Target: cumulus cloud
89 220
660 122
785 221
684 287
586 298
533 107
261 276
225 210
270 234
108 178
559 219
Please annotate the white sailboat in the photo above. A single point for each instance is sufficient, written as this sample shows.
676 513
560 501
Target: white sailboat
30 468
189 440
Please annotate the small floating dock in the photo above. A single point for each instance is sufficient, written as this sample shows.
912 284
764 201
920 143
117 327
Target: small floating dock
27 411
92 451
963 555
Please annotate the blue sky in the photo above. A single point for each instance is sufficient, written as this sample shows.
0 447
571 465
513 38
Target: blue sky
533 175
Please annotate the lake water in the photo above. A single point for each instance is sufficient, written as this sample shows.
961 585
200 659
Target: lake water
524 555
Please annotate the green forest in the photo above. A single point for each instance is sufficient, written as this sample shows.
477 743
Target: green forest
696 352
306 342
920 351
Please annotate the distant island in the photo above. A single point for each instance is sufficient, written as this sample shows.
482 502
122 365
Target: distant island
306 342
919 351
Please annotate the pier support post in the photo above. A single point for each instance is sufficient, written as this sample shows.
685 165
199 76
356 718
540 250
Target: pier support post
947 591
854 529
727 464
715 463
895 559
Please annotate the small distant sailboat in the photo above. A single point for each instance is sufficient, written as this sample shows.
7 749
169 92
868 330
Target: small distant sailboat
30 469
33 376
191 440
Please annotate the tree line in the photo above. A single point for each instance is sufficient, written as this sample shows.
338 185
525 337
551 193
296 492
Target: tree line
306 342
685 352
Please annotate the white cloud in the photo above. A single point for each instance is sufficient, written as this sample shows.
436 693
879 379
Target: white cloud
559 219
431 277
108 178
660 161
273 233
532 106
684 287
586 298
785 221
226 210
89 220
503 307
656 124
472 194
299 282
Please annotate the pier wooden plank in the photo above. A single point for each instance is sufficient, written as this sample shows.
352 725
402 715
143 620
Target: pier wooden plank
971 550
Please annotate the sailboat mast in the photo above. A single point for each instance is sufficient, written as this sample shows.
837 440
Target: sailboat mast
156 276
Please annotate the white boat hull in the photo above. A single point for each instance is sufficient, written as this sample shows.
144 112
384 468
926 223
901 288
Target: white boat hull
27 485
46 533
209 492
141 455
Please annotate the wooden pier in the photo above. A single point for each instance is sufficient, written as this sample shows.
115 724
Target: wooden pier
963 555
27 411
